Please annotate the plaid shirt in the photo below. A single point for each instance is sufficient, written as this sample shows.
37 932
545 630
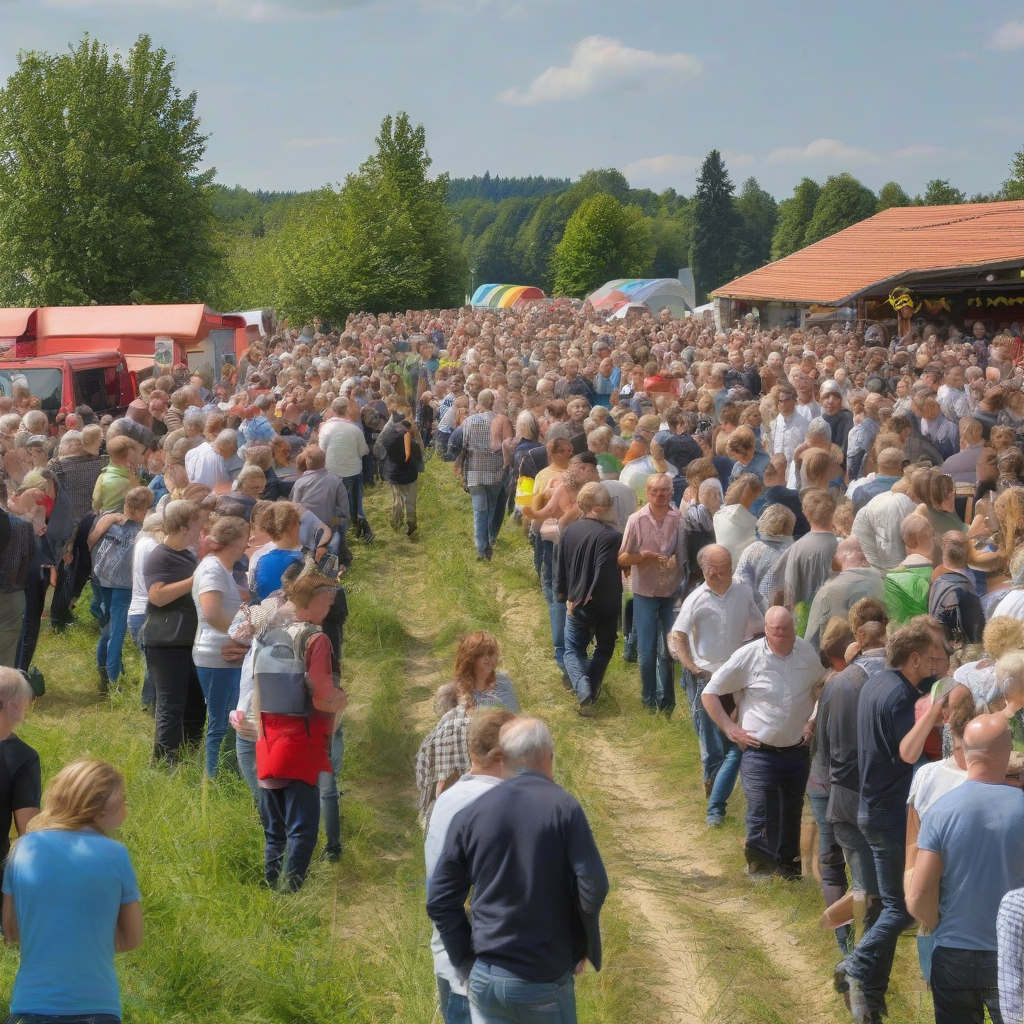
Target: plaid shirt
484 465
444 751
77 475
1010 936
17 557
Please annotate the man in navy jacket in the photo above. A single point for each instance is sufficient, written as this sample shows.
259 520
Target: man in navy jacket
538 884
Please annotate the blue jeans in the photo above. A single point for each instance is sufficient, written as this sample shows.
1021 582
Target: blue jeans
113 605
587 673
454 1008
291 824
75 1018
220 688
831 861
713 743
327 784
858 857
245 751
964 983
135 623
354 486
725 781
774 784
495 996
871 962
487 499
556 608
652 620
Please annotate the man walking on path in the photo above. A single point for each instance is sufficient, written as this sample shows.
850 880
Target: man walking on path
590 584
483 469
526 850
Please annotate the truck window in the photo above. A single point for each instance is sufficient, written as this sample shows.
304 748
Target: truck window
90 389
46 385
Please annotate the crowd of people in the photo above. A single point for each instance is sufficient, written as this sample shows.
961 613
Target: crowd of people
824 530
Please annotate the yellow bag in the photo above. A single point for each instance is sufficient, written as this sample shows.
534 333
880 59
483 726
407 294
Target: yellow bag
524 491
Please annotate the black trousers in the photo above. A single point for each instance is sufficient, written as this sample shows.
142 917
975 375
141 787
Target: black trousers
71 579
964 983
180 706
35 601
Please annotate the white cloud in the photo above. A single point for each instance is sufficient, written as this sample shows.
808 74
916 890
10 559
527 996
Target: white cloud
313 142
1008 37
736 159
821 149
247 10
599 63
666 166
917 151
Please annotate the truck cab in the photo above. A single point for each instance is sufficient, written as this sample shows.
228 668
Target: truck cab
95 355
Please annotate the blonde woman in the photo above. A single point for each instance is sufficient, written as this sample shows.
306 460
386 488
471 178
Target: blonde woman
71 900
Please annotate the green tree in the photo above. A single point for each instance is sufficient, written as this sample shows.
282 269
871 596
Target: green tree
101 196
495 254
602 241
1013 187
758 215
671 236
843 201
713 249
891 194
795 214
939 192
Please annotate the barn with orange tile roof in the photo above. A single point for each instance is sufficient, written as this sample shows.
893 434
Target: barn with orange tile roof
966 260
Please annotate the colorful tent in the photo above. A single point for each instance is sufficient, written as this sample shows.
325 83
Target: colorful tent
655 293
505 296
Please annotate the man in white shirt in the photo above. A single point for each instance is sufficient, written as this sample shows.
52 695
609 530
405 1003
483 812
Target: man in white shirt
208 464
486 766
345 449
775 683
712 623
877 527
790 426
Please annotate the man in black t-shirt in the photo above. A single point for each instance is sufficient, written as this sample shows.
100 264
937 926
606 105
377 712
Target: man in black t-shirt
20 782
590 582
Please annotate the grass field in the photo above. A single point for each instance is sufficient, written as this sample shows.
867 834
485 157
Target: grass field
687 937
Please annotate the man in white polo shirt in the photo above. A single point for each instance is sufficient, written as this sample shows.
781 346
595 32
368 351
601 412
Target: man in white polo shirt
712 623
775 682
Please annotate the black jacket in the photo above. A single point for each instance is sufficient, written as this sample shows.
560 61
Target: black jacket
538 882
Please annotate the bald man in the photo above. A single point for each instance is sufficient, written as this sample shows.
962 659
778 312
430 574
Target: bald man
852 578
970 856
775 682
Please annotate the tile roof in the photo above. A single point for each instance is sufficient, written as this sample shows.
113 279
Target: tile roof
885 247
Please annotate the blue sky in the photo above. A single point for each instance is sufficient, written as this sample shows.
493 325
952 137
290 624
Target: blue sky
293 91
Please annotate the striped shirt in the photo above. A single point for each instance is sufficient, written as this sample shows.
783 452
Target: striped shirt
644 533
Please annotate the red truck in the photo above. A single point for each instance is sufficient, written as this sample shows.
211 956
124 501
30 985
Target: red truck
93 355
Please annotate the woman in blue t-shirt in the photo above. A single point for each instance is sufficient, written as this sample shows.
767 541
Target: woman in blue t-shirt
71 900
280 521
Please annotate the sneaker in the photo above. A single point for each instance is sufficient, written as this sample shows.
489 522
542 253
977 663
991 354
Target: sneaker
410 532
330 855
104 679
567 682
715 820
586 709
629 652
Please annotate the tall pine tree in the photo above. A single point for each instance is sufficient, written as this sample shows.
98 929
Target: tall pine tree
713 250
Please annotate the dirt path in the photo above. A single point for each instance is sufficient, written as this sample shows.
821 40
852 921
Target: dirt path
667 872
711 947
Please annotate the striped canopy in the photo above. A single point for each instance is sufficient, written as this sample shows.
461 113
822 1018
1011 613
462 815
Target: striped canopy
505 296
656 293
